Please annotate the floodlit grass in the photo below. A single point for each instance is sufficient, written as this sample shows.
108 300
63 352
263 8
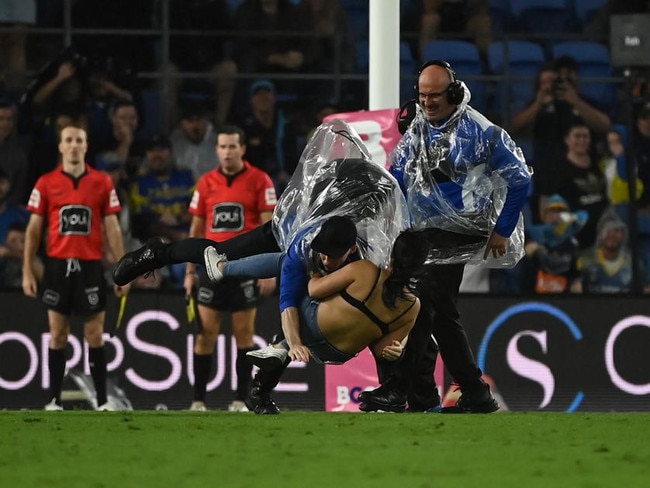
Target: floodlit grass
316 449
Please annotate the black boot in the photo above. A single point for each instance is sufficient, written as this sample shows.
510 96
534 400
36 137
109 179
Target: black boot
138 262
477 400
389 397
259 395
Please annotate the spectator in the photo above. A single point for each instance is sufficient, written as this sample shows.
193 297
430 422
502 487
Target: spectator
160 197
641 152
613 164
272 138
124 144
607 268
580 182
552 248
72 82
262 50
230 200
11 257
193 141
196 54
427 19
10 213
557 106
13 59
13 160
332 50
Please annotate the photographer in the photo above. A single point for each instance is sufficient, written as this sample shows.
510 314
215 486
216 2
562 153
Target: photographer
556 107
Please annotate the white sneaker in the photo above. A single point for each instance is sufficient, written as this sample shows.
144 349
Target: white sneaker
269 357
53 406
198 407
237 406
212 259
107 407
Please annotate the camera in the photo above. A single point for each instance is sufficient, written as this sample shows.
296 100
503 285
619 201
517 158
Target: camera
558 85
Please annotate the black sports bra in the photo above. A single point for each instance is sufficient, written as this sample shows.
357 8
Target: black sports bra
361 306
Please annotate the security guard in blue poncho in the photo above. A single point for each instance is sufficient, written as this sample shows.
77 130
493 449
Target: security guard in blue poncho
465 183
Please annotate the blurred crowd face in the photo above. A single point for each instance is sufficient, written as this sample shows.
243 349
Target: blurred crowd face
15 243
263 100
5 186
194 128
73 146
613 239
433 84
159 160
546 79
6 123
578 140
125 118
643 125
230 152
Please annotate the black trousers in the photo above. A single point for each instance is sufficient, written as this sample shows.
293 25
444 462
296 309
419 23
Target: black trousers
438 290
257 241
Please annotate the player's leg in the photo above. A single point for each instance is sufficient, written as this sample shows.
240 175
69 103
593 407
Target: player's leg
59 330
157 253
204 345
243 328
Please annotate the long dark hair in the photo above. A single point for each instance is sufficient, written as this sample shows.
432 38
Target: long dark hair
407 257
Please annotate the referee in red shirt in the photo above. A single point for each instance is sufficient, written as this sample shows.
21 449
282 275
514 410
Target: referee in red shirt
229 200
72 203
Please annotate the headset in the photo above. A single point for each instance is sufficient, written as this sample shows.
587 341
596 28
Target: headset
455 91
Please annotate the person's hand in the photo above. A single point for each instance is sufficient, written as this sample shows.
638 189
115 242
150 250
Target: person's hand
4 252
299 353
266 286
66 70
497 245
30 287
121 291
570 93
393 351
189 282
531 248
293 59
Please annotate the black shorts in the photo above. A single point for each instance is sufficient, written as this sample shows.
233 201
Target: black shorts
229 295
74 286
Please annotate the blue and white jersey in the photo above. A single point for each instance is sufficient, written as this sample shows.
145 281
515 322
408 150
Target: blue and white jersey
466 176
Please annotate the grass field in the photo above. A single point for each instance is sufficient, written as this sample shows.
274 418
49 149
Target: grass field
315 449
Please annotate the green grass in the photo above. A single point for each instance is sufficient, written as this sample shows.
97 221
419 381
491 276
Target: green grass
333 450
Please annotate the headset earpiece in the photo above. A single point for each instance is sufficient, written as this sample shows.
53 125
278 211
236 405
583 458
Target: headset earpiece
455 92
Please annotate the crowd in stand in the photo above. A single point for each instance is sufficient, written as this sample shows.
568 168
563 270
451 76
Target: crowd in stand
582 152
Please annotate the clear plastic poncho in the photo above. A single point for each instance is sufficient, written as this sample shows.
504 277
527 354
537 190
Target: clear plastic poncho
336 176
456 178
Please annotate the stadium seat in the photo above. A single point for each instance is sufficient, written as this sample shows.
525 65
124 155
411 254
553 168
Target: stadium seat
585 9
544 16
594 62
466 61
501 16
519 61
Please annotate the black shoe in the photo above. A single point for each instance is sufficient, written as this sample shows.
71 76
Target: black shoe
483 403
138 262
382 398
260 401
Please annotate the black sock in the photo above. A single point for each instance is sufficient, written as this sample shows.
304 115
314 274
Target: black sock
202 368
56 363
269 379
244 371
97 362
